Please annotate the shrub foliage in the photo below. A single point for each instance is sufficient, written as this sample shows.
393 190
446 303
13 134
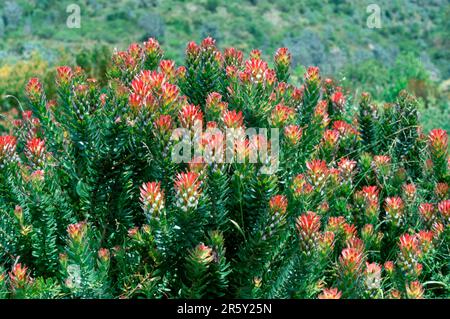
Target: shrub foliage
93 205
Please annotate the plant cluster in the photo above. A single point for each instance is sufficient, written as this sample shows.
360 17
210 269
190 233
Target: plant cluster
92 204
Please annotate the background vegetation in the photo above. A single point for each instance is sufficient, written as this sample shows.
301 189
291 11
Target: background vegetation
410 51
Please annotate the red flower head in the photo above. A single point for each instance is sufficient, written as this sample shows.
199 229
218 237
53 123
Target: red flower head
233 119
255 69
326 242
168 68
438 142
444 209
317 171
312 75
255 54
394 208
77 232
438 229
350 262
308 226
192 50
338 99
349 231
408 243
293 134
427 212
283 57
389 267
233 57
190 116
335 224
409 255
35 150
64 75
300 186
425 240
170 93
203 254
330 293
282 115
103 254
321 113
346 167
34 90
345 129
152 49
140 87
181 72
410 191
208 43
367 232
187 187
330 139
278 204
441 190
297 94
134 233
163 124
381 164
371 192
135 101
135 51
154 80
7 147
152 199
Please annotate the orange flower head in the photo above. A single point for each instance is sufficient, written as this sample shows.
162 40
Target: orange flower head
414 290
427 212
317 171
152 48
168 68
256 68
19 276
34 90
394 208
282 115
233 57
163 124
77 232
64 75
441 190
438 139
187 187
293 134
283 57
330 293
350 262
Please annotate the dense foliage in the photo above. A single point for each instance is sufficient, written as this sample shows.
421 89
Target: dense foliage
93 205
409 51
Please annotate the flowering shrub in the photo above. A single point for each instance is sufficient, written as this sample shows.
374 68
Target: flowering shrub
93 203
